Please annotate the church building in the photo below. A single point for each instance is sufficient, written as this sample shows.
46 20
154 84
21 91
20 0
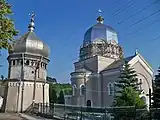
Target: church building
27 72
99 66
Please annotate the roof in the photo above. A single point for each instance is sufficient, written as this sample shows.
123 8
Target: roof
118 63
30 43
97 31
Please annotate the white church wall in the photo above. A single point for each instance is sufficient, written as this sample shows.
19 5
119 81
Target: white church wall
15 72
145 77
27 93
108 77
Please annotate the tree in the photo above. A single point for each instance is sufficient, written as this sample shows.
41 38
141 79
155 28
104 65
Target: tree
156 94
52 94
128 78
127 92
2 77
7 28
61 98
129 97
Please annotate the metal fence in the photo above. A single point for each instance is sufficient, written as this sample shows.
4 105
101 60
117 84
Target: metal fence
70 112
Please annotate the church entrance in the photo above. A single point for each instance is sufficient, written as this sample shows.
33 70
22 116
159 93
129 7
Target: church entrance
88 103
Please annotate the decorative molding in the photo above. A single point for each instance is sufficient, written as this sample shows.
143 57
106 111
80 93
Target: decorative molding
140 59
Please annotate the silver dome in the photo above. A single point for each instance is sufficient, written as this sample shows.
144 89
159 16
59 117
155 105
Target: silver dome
99 31
30 43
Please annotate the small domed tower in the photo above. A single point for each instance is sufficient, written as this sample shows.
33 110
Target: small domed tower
28 60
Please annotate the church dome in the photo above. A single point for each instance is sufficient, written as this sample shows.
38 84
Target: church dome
30 43
100 31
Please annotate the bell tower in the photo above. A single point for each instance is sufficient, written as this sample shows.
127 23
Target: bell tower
28 60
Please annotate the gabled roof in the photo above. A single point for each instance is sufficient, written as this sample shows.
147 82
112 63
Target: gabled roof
118 63
132 60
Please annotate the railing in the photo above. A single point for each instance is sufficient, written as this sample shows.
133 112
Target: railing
68 112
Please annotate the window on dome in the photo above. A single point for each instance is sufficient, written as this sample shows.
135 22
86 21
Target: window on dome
27 62
32 63
14 62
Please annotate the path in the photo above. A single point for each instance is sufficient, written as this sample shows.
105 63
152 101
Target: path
10 116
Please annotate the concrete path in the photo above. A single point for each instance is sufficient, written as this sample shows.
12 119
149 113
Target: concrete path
29 117
10 116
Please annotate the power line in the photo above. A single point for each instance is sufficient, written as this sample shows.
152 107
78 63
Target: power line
122 9
141 10
139 21
146 26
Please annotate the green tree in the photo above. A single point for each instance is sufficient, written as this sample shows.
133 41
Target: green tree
128 78
61 98
52 94
7 28
156 94
127 93
129 97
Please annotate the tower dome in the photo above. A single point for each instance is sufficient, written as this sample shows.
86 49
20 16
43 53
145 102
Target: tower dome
30 43
100 31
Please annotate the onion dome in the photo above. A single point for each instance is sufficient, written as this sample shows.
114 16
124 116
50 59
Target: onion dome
100 31
30 43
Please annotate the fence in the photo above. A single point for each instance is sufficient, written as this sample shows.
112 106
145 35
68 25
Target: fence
68 112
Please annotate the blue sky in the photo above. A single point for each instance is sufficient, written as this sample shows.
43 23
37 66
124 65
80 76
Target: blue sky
62 24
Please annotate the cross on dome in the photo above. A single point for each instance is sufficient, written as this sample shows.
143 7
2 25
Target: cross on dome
31 26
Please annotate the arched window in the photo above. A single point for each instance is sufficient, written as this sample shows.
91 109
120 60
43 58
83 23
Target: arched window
144 99
27 62
82 89
32 63
110 89
74 90
140 86
14 62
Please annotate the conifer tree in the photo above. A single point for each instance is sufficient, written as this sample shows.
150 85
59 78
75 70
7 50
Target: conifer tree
128 78
7 28
52 95
61 98
156 94
127 93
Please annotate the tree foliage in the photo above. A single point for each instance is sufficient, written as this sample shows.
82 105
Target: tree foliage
128 78
61 98
7 28
127 93
52 95
129 97
156 94
55 91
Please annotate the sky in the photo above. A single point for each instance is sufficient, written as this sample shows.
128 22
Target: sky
62 24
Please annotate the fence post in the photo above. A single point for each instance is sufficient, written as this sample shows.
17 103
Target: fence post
135 113
105 113
64 112
150 114
81 113
39 107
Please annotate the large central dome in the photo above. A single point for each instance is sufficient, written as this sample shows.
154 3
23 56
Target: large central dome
100 31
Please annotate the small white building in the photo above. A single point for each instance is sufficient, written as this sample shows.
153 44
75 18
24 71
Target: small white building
27 73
